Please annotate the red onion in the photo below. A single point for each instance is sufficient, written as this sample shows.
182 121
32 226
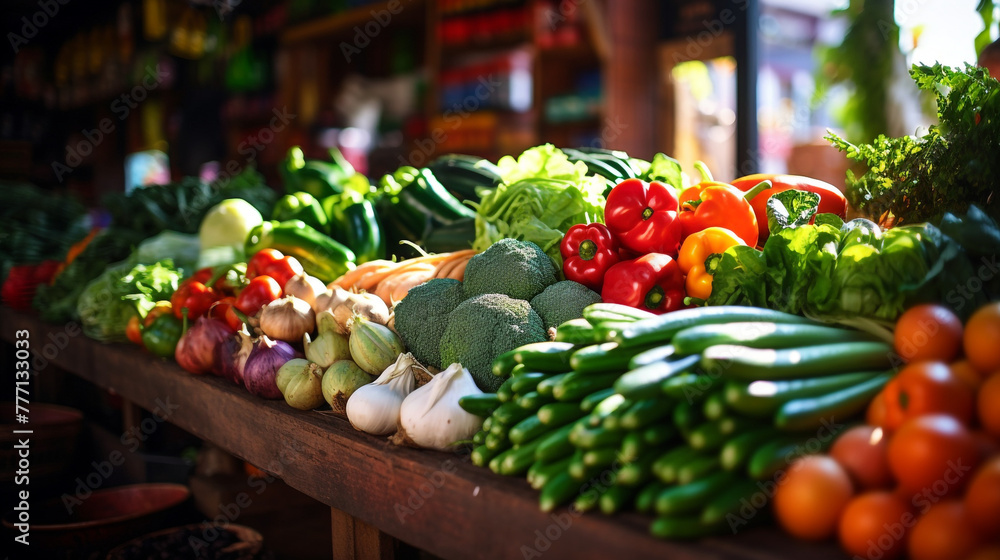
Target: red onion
196 349
231 356
262 366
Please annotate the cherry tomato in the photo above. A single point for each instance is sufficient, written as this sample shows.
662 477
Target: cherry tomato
197 299
810 498
223 310
283 269
966 372
260 261
943 533
927 388
931 456
875 526
928 332
202 275
261 291
875 416
982 498
980 341
862 452
988 405
133 330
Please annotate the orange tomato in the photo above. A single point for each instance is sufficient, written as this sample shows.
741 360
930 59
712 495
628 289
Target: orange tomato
988 405
875 416
133 330
982 498
988 552
927 388
928 332
980 340
811 496
930 456
862 452
964 371
875 526
943 533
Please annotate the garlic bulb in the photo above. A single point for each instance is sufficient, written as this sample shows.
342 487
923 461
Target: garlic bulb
329 299
329 345
374 408
431 417
304 287
287 319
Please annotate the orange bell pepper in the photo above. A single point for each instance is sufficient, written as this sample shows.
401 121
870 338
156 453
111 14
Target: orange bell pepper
711 203
699 256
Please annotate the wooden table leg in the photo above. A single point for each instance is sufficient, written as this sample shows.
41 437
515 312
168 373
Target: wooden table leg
131 416
354 539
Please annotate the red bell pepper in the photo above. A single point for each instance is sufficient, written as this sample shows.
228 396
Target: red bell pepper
588 250
831 200
653 282
643 216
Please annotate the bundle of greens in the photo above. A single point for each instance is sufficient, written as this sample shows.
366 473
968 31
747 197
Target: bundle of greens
541 195
839 271
35 225
955 164
123 290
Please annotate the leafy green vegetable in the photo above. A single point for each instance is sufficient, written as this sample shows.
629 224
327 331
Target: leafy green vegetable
182 248
37 225
545 161
667 170
952 166
107 303
791 208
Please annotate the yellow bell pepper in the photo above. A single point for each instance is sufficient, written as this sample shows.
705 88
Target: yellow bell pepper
696 249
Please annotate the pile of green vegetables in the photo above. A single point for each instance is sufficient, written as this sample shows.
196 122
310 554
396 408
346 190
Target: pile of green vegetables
123 290
839 271
953 165
35 225
682 415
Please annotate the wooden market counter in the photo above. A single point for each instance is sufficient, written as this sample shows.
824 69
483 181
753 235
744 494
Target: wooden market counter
438 502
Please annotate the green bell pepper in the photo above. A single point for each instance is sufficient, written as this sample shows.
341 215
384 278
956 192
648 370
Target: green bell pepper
320 256
318 178
301 206
162 335
354 223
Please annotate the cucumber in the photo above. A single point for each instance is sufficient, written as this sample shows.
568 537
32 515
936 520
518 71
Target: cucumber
545 386
613 420
497 442
651 356
497 459
579 331
503 365
603 358
504 392
695 340
710 435
479 438
587 500
761 399
646 498
645 382
752 364
583 437
527 430
714 406
692 387
729 502
777 455
555 415
692 497
617 498
637 472
659 434
812 412
557 491
526 382
645 412
555 446
602 456
533 400
544 472
666 465
633 446
544 356
575 386
592 400
736 452
603 312
684 527
696 469
517 460
662 328
606 407
509 413
481 455
687 416
481 405
488 423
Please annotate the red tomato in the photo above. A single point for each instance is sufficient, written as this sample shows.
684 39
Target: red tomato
943 533
283 269
982 498
198 299
260 261
927 388
928 332
261 291
862 452
875 526
202 275
810 498
931 457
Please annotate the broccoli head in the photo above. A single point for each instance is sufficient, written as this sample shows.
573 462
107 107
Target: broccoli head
421 316
563 301
483 327
519 269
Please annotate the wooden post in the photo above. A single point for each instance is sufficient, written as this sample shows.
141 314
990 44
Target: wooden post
354 539
630 79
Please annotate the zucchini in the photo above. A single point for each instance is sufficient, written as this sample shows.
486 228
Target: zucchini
736 452
695 340
645 412
645 382
812 412
662 328
579 331
602 358
761 399
544 356
481 405
752 364
576 386
651 356
604 312
555 415
692 497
